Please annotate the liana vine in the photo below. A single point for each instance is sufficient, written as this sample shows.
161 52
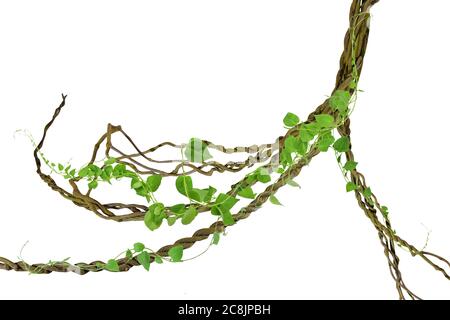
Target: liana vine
271 165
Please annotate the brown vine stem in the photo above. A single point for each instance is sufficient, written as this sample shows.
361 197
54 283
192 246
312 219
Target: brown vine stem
351 62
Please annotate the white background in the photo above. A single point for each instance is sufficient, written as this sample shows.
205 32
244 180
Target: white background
227 71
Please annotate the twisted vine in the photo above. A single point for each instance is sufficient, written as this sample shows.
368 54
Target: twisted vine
287 156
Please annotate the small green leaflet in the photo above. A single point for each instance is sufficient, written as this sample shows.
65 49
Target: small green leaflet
351 186
227 217
171 220
60 167
342 144
275 201
223 202
139 247
292 183
247 192
385 212
189 215
325 141
324 120
154 216
153 182
93 184
291 120
350 165
367 193
144 260
216 238
340 100
158 260
176 253
110 161
112 266
129 254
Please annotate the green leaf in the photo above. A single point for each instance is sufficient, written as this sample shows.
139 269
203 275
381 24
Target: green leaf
110 161
385 212
367 193
216 238
197 151
247 192
306 134
144 260
325 141
153 182
60 167
112 266
263 175
227 217
154 216
350 165
184 185
178 209
292 183
171 220
84 172
176 253
158 260
286 158
136 183
223 202
340 100
324 120
274 200
72 173
139 247
93 184
189 215
342 144
129 254
351 186
291 119
119 170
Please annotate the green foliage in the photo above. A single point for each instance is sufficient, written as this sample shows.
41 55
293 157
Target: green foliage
385 212
139 247
189 215
247 192
274 200
216 238
112 266
93 184
176 253
129 254
324 120
224 202
197 151
154 216
227 218
367 193
340 101
325 141
351 186
350 165
290 120
144 260
342 144
153 182
110 161
292 183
